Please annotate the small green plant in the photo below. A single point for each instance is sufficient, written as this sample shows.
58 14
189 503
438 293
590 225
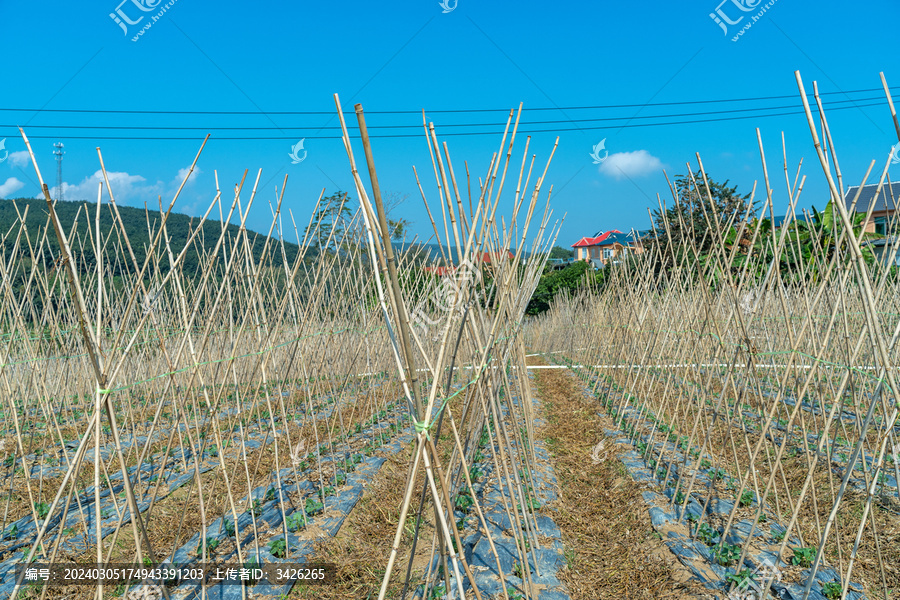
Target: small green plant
803 556
742 578
463 501
256 508
42 509
705 464
228 526
296 521
707 534
717 474
211 545
533 504
680 497
513 593
313 506
832 590
727 554
270 495
278 548
340 479
778 535
746 498
517 570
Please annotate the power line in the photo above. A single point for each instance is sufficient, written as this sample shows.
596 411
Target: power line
397 112
444 125
447 134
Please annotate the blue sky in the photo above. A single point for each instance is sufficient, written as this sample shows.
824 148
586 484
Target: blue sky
267 57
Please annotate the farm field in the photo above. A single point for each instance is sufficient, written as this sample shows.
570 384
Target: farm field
702 420
752 389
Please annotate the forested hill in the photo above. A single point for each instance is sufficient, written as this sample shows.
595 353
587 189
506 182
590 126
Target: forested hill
139 225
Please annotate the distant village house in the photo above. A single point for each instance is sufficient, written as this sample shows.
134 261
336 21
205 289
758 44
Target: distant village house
605 247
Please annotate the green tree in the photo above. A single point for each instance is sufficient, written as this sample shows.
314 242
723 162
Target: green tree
554 282
819 236
560 252
699 210
329 224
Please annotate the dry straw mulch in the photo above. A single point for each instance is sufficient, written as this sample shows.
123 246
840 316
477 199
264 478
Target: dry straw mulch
611 548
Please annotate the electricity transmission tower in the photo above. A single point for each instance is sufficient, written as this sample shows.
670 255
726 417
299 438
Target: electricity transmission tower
58 153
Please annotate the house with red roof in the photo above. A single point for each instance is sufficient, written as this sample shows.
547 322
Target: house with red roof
606 246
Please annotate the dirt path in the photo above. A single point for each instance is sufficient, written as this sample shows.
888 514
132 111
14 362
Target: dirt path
611 548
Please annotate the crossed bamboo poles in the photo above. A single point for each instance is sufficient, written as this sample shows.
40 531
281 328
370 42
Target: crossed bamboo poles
696 359
180 362
477 322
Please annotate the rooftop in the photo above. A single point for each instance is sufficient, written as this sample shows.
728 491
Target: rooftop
613 236
887 199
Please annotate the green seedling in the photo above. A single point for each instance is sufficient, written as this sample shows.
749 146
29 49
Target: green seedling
278 548
727 554
42 509
296 521
228 526
211 545
513 593
707 534
463 501
803 556
256 508
832 590
313 506
746 498
742 578
717 474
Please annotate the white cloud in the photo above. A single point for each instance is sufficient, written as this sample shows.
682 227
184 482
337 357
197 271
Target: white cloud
10 187
19 159
630 164
125 187
182 173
